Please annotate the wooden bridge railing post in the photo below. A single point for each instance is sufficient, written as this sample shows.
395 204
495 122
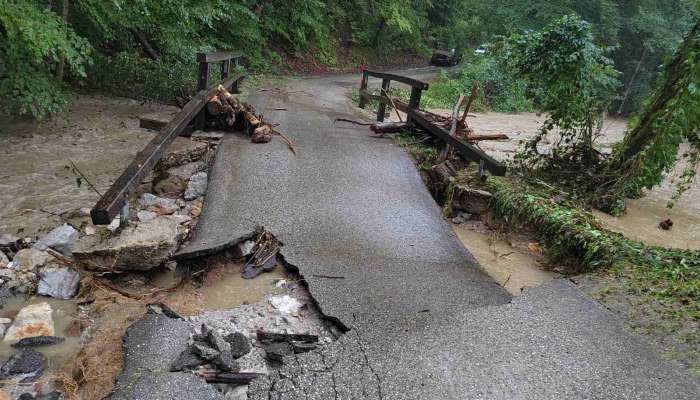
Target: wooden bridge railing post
363 86
414 102
381 110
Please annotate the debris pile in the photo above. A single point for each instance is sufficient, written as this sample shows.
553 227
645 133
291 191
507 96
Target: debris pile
225 112
263 256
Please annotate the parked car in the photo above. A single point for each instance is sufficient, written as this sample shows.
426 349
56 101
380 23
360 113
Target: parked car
445 58
481 50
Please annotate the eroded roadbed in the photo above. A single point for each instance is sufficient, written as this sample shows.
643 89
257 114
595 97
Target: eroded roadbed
423 320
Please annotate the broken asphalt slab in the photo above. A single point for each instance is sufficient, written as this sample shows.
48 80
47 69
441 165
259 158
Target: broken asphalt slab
151 346
424 320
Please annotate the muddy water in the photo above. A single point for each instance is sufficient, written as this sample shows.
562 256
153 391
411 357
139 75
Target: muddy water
64 311
511 266
223 288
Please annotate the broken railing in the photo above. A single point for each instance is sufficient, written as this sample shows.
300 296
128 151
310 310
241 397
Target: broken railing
192 116
415 116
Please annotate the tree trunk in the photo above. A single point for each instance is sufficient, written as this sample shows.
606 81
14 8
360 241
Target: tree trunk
145 43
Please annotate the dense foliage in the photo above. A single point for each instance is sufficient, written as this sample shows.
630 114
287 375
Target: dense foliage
570 79
499 89
151 43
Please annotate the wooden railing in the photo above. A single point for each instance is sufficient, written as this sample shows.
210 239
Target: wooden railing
415 116
115 201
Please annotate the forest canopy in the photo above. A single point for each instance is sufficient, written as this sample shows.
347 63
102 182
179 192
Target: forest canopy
145 48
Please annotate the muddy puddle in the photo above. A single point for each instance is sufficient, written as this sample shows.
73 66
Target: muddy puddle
511 265
65 312
221 288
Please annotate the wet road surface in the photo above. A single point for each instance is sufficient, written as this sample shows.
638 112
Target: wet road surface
425 322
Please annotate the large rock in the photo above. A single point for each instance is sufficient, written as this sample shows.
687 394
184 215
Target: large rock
184 172
58 282
60 239
24 362
33 320
163 204
197 186
30 260
473 201
138 248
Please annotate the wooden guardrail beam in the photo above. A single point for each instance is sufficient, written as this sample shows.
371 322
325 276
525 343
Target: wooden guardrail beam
398 78
465 150
112 202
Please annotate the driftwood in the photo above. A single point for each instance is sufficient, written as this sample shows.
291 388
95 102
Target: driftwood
389 127
225 112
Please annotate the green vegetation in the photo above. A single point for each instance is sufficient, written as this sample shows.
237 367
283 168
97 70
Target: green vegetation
499 89
145 49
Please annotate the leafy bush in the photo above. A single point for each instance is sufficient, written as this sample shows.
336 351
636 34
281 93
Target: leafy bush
570 78
130 75
33 41
499 90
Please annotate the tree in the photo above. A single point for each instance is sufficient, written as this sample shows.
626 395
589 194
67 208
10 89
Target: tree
571 79
650 147
34 42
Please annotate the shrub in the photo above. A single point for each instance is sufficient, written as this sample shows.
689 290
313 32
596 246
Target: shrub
498 89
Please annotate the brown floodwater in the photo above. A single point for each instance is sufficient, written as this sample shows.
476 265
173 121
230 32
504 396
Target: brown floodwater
223 288
511 266
63 313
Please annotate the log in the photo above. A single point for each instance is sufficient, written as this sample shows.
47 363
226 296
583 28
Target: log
389 127
215 107
494 136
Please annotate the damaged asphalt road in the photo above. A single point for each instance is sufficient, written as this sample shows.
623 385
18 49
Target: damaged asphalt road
424 321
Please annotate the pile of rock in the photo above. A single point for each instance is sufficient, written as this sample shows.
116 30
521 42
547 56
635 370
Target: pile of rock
40 268
214 350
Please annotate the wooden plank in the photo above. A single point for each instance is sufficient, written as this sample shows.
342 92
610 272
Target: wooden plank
114 199
217 56
398 78
464 149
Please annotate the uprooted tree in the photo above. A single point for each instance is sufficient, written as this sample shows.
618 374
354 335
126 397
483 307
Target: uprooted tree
571 80
650 148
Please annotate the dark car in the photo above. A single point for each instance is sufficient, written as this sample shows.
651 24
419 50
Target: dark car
445 58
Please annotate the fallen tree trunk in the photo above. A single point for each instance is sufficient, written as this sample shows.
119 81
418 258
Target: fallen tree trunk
389 127
479 137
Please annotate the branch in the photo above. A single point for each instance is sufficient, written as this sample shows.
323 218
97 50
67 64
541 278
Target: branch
145 43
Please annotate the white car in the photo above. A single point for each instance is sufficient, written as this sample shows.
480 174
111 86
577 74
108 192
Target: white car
481 50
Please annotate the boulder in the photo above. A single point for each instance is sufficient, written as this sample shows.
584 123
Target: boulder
171 186
138 248
33 320
24 362
30 260
58 282
472 201
60 239
197 186
164 205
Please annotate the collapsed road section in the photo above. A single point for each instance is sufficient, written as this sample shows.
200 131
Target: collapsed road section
422 319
